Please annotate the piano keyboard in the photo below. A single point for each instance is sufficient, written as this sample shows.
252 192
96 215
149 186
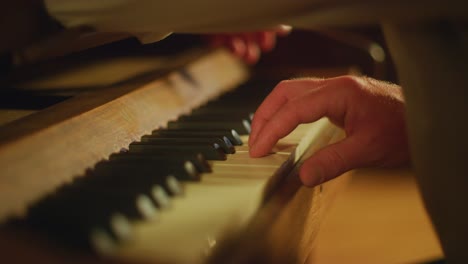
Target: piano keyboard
178 193
175 193
222 204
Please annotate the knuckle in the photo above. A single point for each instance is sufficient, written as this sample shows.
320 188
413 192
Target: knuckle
350 82
283 85
281 88
350 87
349 79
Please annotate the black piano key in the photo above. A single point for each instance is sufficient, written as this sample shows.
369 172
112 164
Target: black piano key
197 159
132 202
161 198
225 111
97 202
230 134
210 152
96 209
225 144
157 188
154 196
242 127
181 169
74 215
217 116
145 181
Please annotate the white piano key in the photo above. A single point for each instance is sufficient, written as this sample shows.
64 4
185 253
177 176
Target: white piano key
222 203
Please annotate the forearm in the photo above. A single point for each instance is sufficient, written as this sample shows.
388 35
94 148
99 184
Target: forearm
205 16
178 16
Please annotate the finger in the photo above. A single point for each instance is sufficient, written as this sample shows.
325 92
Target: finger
332 161
281 94
237 45
252 53
266 40
306 108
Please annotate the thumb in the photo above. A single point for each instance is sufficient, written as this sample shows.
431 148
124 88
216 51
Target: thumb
330 162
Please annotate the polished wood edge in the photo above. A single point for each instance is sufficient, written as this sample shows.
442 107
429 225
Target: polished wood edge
64 140
298 210
87 101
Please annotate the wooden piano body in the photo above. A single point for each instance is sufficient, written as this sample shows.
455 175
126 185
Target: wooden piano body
259 213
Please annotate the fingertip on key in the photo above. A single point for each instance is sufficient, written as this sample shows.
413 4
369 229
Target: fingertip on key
258 150
253 135
251 139
253 151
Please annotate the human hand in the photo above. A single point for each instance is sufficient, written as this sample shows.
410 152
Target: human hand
371 113
248 46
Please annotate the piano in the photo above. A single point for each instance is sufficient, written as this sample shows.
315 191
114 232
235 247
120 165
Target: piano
147 162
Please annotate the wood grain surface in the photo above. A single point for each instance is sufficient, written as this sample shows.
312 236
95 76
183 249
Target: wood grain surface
50 147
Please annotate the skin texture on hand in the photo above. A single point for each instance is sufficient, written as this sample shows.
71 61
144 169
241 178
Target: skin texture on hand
248 46
371 112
